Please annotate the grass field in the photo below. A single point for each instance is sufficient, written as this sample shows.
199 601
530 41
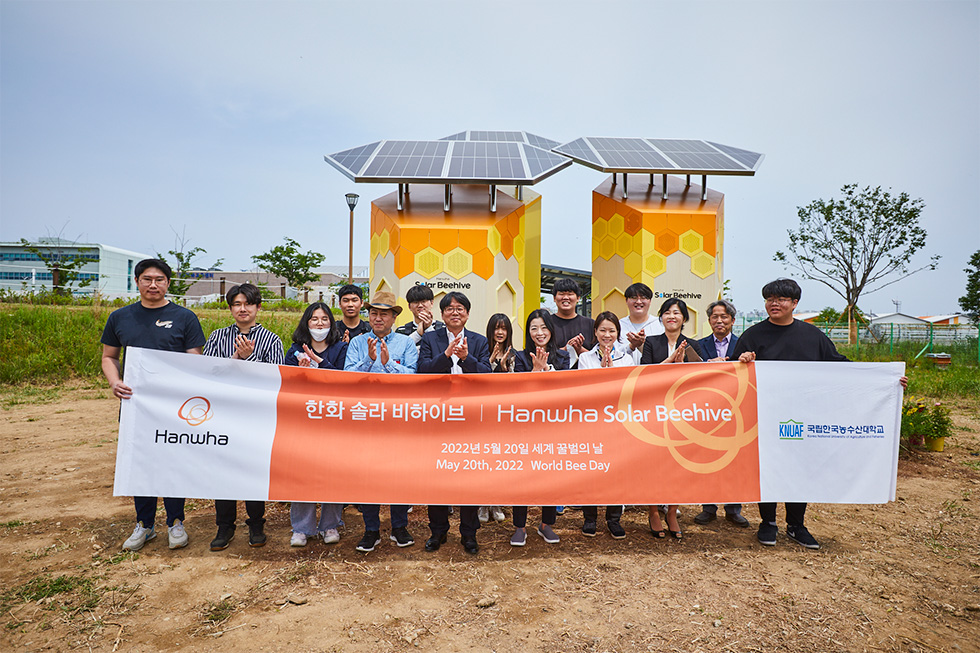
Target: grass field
44 345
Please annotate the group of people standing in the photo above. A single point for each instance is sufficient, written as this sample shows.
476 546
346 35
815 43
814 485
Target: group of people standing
560 341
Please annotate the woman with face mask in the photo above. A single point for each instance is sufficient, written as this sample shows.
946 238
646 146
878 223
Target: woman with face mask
316 343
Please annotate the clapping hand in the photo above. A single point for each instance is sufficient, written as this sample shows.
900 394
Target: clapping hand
540 358
311 360
243 347
636 339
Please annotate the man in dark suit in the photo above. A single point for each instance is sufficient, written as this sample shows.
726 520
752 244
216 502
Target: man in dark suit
718 347
454 350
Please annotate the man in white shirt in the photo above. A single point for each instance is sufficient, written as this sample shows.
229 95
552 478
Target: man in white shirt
639 324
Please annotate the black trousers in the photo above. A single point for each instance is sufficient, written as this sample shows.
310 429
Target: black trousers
794 513
226 512
613 513
549 514
469 522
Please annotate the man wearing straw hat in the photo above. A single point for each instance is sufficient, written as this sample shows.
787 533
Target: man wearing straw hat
383 351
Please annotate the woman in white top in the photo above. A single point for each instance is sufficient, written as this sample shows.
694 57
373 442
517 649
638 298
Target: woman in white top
609 351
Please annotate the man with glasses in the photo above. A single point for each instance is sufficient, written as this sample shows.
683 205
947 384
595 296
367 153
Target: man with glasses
384 352
636 327
454 350
783 338
716 347
154 322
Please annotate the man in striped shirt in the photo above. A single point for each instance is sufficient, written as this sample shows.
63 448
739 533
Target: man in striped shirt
249 341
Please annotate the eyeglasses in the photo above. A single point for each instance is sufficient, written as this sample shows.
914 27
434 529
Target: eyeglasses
779 300
319 320
454 309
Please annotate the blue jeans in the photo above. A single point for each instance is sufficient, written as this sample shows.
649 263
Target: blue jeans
302 516
146 510
372 516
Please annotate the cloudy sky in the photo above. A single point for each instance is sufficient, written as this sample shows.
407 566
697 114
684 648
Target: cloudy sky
121 122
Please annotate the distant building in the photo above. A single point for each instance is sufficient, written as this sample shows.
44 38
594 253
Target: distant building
897 318
211 285
953 318
111 271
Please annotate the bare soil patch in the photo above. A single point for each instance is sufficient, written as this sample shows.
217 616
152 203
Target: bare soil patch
899 577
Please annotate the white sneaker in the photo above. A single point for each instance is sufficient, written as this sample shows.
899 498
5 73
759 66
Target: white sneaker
177 535
298 539
498 513
330 536
483 514
139 537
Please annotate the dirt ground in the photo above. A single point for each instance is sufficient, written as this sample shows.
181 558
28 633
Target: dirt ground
899 577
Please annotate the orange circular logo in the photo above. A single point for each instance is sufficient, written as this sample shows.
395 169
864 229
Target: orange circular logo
195 411
701 445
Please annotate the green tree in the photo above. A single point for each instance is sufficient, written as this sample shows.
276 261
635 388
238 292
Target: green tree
858 244
180 282
288 262
828 315
970 302
64 265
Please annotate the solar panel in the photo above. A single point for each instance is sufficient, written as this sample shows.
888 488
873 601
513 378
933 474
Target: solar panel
503 160
660 155
497 136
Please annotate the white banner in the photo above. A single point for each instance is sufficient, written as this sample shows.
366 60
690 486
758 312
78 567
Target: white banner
224 429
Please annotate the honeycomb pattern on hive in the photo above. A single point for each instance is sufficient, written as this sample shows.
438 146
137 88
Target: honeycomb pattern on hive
691 242
428 262
458 263
703 265
654 264
632 264
483 263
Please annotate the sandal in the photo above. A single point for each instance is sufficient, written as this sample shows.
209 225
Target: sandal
661 534
677 535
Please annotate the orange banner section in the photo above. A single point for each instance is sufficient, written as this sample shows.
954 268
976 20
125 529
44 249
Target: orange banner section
653 434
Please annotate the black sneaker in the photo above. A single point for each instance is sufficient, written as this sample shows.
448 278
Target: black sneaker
767 534
370 540
588 529
801 535
224 537
616 530
256 536
401 537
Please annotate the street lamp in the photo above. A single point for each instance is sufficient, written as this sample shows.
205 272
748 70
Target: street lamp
351 203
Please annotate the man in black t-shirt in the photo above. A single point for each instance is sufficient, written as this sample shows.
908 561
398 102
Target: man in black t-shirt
572 331
783 338
351 301
153 322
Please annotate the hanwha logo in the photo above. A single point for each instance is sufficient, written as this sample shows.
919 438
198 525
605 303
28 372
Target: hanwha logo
195 411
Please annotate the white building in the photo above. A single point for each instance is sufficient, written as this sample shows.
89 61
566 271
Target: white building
111 271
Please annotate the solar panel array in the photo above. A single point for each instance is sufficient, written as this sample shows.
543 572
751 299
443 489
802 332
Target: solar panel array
450 161
661 155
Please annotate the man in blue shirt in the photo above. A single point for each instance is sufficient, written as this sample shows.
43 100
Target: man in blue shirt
385 352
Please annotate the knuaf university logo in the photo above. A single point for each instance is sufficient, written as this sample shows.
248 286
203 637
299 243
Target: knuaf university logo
791 430
195 411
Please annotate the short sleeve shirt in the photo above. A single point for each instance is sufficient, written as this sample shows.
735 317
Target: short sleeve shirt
168 328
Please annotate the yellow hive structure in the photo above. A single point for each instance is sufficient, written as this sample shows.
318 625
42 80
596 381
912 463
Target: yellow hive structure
673 245
494 258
